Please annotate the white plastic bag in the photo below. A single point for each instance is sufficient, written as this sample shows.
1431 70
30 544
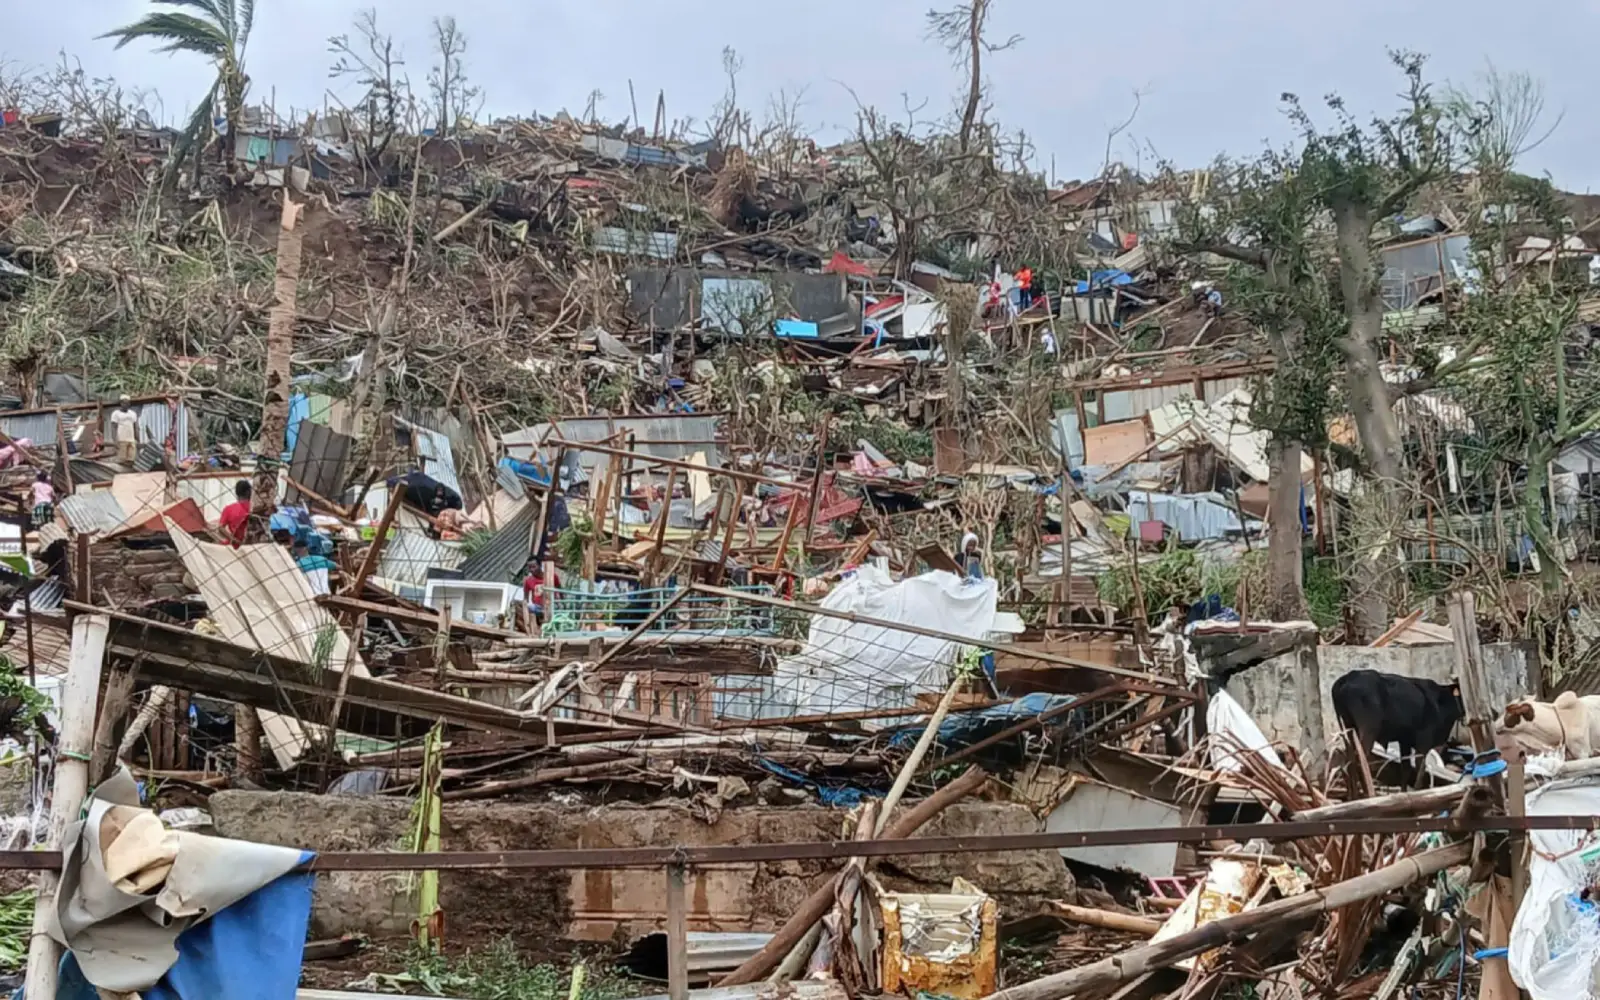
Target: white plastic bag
1555 941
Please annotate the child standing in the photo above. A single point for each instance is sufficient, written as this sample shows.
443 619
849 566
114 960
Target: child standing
44 500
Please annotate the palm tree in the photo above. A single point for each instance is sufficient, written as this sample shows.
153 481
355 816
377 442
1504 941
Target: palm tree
219 32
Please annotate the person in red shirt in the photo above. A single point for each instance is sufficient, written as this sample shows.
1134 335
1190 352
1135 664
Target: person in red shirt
237 514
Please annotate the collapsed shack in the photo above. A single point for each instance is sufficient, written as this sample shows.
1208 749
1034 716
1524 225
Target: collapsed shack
672 674
639 647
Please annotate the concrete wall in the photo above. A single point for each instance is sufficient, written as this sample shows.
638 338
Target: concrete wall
1272 691
599 905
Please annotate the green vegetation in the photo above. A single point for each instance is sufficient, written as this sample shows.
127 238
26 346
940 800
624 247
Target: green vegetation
498 972
16 924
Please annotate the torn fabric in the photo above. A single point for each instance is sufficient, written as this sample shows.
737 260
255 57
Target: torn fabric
127 941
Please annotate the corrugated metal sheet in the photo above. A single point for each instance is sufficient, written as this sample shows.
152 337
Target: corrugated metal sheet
507 552
148 458
636 242
508 480
47 596
40 428
676 436
51 533
409 554
92 511
87 470
411 551
434 452
320 461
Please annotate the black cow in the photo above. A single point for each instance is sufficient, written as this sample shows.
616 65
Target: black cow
1387 708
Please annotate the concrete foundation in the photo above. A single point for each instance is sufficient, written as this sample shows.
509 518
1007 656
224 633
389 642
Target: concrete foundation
535 906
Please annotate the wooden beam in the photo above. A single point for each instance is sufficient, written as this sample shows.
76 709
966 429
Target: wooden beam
428 620
727 533
369 561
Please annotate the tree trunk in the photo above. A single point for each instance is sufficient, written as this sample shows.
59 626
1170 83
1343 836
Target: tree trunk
969 116
1534 493
1377 571
1285 597
280 348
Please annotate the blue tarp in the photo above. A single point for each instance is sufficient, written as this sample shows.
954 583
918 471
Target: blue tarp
796 328
1103 279
534 471
965 728
830 795
251 950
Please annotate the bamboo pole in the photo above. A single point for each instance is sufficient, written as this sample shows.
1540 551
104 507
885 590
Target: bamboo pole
1110 920
817 905
78 696
1417 803
1136 962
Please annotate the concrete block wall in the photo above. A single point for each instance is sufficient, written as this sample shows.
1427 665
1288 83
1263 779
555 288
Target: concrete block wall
531 906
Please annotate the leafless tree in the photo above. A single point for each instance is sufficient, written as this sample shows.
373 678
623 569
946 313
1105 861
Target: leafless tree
960 30
373 62
452 94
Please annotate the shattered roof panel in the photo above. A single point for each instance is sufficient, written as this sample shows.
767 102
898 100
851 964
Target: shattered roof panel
410 552
667 435
506 552
92 512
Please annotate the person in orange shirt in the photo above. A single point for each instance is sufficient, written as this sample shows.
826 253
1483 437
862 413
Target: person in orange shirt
1025 288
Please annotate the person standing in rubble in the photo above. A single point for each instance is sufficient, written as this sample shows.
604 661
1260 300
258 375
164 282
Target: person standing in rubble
125 430
44 500
236 515
1025 288
971 559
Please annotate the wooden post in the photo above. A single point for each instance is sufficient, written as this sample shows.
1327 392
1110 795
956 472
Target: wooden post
677 935
909 768
66 459
369 561
78 696
1474 685
727 534
816 483
656 554
793 932
1517 843
788 532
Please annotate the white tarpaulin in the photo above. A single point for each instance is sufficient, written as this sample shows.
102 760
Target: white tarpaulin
849 667
1555 940
1233 731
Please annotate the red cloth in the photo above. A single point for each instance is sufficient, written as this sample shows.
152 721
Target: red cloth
233 520
840 263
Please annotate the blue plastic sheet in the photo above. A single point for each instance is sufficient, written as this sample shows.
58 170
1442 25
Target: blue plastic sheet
532 471
830 795
1103 279
250 951
965 728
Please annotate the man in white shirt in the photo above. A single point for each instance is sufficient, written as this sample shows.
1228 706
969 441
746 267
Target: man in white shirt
125 430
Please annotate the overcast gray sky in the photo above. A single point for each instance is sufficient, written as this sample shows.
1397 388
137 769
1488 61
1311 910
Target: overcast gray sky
1210 72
